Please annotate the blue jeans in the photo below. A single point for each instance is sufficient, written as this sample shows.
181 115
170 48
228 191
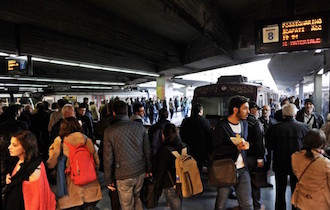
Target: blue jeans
129 192
173 199
243 192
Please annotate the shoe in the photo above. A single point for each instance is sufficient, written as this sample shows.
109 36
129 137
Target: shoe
232 196
269 185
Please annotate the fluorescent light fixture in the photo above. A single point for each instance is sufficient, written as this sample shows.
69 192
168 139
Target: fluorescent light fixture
40 59
21 85
3 54
90 66
91 87
318 50
320 72
64 63
61 81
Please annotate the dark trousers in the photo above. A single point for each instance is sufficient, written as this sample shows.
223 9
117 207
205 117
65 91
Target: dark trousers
114 200
252 166
85 206
281 180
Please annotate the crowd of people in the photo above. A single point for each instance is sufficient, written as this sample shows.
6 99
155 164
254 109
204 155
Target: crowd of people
292 142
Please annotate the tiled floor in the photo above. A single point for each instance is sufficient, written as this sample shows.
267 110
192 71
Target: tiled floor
206 200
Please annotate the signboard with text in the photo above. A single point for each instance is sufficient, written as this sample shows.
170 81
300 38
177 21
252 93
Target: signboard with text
295 34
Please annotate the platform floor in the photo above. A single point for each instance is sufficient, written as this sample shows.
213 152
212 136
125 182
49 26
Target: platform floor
206 200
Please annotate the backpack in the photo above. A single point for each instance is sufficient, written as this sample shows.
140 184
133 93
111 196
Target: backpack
82 166
188 173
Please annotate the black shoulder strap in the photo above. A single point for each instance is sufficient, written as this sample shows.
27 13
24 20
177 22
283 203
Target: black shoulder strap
307 168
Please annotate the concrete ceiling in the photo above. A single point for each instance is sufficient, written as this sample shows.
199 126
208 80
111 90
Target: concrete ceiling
166 37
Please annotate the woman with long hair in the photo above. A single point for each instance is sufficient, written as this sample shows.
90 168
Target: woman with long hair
312 170
27 185
165 166
79 196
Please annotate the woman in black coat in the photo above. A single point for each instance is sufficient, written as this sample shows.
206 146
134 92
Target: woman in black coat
165 167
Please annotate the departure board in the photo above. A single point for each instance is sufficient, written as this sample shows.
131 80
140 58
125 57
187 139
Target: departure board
295 34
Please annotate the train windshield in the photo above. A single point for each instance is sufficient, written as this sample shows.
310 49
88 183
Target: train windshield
215 106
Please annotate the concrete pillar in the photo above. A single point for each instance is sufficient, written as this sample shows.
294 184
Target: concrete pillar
164 88
301 91
318 92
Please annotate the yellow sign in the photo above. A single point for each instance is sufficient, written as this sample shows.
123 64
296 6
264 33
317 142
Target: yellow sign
12 64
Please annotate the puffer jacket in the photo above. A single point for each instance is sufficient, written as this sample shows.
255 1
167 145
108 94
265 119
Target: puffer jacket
77 195
126 150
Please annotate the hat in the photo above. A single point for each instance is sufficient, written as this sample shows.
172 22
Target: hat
253 104
309 100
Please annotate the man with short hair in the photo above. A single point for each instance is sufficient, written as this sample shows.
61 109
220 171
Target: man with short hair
56 116
255 155
284 139
196 132
127 157
138 112
86 123
234 125
309 116
66 111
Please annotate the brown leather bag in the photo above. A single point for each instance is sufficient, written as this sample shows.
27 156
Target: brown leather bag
222 173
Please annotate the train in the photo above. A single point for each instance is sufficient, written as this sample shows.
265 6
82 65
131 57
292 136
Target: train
215 97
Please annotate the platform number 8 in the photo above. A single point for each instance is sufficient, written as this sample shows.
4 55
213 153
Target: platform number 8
270 36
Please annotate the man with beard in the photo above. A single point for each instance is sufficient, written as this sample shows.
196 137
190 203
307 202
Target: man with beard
309 116
234 125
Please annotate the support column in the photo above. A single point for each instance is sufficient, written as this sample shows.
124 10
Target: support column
301 90
164 88
318 92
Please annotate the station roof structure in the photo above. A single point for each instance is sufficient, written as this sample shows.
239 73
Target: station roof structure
125 42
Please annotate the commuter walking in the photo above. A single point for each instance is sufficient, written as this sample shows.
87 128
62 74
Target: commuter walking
255 155
138 112
127 157
27 184
309 116
234 125
196 132
80 196
155 135
312 169
171 108
165 172
284 139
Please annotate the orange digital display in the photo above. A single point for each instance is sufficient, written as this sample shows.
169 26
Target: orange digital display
302 32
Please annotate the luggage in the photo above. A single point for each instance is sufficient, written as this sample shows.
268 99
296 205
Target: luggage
222 173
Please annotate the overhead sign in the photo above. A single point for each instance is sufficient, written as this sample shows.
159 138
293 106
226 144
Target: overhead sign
16 66
300 33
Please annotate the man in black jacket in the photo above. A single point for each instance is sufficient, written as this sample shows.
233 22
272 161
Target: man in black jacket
284 139
228 129
196 132
126 157
309 116
255 155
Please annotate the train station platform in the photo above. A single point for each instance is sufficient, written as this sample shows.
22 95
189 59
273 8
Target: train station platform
204 201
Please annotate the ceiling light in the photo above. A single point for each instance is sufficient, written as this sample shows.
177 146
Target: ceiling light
318 50
90 66
3 54
91 87
40 60
39 79
64 63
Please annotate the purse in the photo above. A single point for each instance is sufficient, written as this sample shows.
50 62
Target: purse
61 188
148 194
222 173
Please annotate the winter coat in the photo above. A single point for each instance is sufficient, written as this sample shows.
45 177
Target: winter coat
313 190
126 150
318 119
77 195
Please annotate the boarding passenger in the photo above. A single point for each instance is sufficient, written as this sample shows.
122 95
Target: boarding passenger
155 134
232 126
138 112
312 169
126 157
309 116
255 155
94 111
27 184
85 121
196 132
165 172
56 116
79 196
278 114
284 139
171 108
67 111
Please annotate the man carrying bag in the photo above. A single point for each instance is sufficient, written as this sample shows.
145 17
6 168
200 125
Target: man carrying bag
229 143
